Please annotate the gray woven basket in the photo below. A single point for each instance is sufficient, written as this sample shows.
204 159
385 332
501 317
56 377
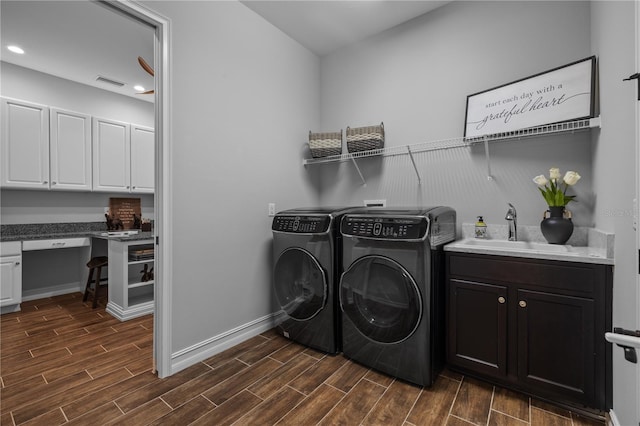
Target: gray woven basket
325 144
365 138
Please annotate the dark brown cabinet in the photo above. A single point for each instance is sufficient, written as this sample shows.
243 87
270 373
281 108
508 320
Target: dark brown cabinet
533 325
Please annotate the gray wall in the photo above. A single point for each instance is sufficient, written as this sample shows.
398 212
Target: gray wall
615 153
27 206
416 77
244 98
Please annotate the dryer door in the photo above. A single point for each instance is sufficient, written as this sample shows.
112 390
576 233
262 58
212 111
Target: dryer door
381 299
300 284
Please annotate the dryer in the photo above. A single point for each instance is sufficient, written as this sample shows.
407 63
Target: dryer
392 291
307 267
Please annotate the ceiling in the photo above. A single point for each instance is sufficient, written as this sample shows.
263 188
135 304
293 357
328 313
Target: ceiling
78 40
327 25
81 40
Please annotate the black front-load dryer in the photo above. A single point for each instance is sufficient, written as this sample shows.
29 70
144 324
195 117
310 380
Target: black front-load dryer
391 293
306 271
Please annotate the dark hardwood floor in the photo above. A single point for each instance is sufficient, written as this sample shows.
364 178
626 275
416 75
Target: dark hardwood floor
62 362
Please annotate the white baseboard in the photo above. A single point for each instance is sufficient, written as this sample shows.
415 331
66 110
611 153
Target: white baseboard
216 344
9 308
55 290
131 312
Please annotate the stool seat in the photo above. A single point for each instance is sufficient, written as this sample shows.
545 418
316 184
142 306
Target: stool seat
98 261
95 265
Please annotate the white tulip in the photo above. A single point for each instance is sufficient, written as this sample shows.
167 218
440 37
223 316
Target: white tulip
571 177
554 173
540 180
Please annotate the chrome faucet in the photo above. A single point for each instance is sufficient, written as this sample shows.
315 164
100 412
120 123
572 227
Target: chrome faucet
512 217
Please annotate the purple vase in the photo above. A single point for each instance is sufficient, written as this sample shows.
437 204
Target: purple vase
556 228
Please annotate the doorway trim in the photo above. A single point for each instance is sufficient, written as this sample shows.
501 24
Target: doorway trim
637 200
163 195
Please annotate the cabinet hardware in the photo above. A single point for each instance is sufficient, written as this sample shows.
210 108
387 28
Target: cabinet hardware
522 304
501 299
17 263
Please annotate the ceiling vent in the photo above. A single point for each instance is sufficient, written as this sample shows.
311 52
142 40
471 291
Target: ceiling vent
109 81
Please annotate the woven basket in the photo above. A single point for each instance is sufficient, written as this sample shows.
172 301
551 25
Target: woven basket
325 144
365 138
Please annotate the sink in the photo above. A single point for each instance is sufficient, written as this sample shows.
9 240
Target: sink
515 245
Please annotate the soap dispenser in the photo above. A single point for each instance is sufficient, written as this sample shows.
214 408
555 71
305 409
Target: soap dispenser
481 228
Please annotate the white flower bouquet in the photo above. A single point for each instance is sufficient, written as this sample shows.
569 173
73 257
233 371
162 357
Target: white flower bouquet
554 190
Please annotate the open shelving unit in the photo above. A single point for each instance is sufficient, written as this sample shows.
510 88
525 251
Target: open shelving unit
457 143
130 293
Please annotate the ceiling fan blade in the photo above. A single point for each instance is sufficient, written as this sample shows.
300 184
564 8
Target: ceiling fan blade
145 66
148 92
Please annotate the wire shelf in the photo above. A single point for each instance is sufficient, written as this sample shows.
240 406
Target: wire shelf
460 142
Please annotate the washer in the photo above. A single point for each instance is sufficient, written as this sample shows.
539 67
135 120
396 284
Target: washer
392 292
307 267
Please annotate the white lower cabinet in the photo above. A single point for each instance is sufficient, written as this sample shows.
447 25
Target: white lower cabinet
131 291
10 276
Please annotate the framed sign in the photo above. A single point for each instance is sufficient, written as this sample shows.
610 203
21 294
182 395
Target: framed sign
125 209
561 94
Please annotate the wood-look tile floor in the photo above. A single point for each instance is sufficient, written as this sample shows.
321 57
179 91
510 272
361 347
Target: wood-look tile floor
62 362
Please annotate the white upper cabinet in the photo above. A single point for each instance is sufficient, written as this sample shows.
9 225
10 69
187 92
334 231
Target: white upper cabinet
70 150
142 159
51 148
25 145
111 156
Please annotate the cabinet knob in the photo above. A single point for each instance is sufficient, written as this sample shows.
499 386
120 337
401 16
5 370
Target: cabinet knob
17 263
501 299
522 304
45 182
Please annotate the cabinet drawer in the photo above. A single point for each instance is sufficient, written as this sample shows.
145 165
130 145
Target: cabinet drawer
10 248
577 278
55 243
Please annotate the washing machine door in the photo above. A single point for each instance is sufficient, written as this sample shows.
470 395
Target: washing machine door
300 284
381 299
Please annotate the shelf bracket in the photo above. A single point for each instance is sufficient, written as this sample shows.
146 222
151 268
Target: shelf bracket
488 157
353 160
413 161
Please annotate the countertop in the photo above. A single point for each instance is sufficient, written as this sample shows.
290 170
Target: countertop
593 246
46 231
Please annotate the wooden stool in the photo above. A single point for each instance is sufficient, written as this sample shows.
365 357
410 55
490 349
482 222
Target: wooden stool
95 263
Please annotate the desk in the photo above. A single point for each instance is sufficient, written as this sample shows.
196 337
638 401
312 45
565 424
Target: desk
52 260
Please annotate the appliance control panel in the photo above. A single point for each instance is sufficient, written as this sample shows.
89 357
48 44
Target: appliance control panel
387 228
301 224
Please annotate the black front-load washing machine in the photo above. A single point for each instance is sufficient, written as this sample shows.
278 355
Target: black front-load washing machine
306 271
392 290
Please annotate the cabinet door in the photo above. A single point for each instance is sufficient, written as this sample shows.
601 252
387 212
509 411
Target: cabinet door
111 156
556 345
10 280
25 145
142 159
70 150
478 327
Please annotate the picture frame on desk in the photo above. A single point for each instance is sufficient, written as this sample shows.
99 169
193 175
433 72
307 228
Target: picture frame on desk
562 94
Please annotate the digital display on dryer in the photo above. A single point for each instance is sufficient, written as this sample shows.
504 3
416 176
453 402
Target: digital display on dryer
391 228
301 224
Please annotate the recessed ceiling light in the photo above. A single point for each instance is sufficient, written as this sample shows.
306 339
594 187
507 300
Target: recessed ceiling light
15 49
139 88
